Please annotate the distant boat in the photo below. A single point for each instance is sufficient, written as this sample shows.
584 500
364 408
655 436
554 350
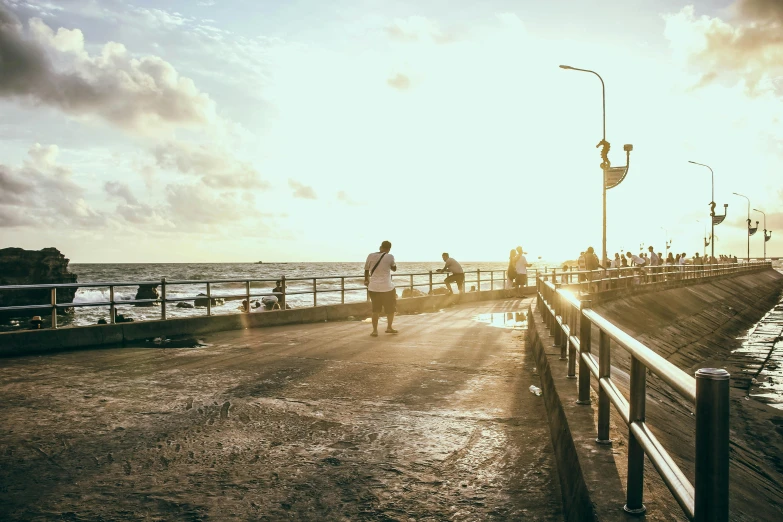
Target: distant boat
259 262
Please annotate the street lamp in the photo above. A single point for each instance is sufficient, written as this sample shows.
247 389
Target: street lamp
668 242
766 237
612 176
716 219
751 231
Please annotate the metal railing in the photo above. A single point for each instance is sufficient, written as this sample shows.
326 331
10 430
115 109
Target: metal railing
571 321
483 279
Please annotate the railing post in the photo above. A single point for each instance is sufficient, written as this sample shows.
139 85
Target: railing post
112 308
478 280
711 486
571 314
342 290
411 285
491 280
604 372
315 292
569 319
430 283
283 287
247 295
209 298
585 333
163 298
638 394
54 307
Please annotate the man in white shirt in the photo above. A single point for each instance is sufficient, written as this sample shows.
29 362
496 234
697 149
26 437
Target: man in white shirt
377 279
521 268
457 274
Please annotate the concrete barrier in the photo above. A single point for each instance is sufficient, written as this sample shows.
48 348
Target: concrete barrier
30 342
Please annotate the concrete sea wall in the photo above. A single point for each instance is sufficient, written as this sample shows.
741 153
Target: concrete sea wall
693 326
31 342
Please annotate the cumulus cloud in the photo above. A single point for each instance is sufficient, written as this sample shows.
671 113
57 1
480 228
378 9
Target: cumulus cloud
42 192
302 191
120 190
748 48
216 167
196 204
399 82
52 68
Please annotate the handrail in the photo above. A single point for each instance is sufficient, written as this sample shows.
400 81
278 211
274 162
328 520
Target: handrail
491 278
562 309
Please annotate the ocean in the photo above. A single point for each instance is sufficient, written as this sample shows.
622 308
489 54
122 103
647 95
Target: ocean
298 276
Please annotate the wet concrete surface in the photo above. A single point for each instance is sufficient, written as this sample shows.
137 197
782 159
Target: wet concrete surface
308 422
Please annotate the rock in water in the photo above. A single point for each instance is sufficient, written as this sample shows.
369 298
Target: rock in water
147 292
202 301
29 267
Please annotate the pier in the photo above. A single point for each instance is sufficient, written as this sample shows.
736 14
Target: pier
317 420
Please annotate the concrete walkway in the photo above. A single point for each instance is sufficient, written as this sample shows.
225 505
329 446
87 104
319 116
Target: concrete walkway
307 422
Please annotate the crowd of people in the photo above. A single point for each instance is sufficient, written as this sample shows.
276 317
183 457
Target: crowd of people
588 260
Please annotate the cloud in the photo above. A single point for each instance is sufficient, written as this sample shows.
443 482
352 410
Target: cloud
194 204
120 190
302 191
345 198
51 68
418 28
216 168
747 50
399 82
41 192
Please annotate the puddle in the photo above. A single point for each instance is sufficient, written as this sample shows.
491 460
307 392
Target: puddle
510 320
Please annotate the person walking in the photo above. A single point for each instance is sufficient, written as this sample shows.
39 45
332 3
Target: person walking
377 279
520 266
457 274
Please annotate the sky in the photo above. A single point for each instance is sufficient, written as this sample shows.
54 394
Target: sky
303 130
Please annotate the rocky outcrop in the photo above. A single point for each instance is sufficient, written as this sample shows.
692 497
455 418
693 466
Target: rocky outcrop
406 292
147 292
202 301
28 267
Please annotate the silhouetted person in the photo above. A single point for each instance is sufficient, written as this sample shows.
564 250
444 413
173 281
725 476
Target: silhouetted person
457 274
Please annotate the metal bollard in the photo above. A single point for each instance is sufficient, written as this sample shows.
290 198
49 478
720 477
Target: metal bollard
604 371
54 307
635 487
163 298
585 333
712 446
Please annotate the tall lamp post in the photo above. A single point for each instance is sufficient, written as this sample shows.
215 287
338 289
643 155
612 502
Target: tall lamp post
766 237
716 219
612 176
668 242
751 230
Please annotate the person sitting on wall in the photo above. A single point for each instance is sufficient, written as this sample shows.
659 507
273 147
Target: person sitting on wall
36 322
